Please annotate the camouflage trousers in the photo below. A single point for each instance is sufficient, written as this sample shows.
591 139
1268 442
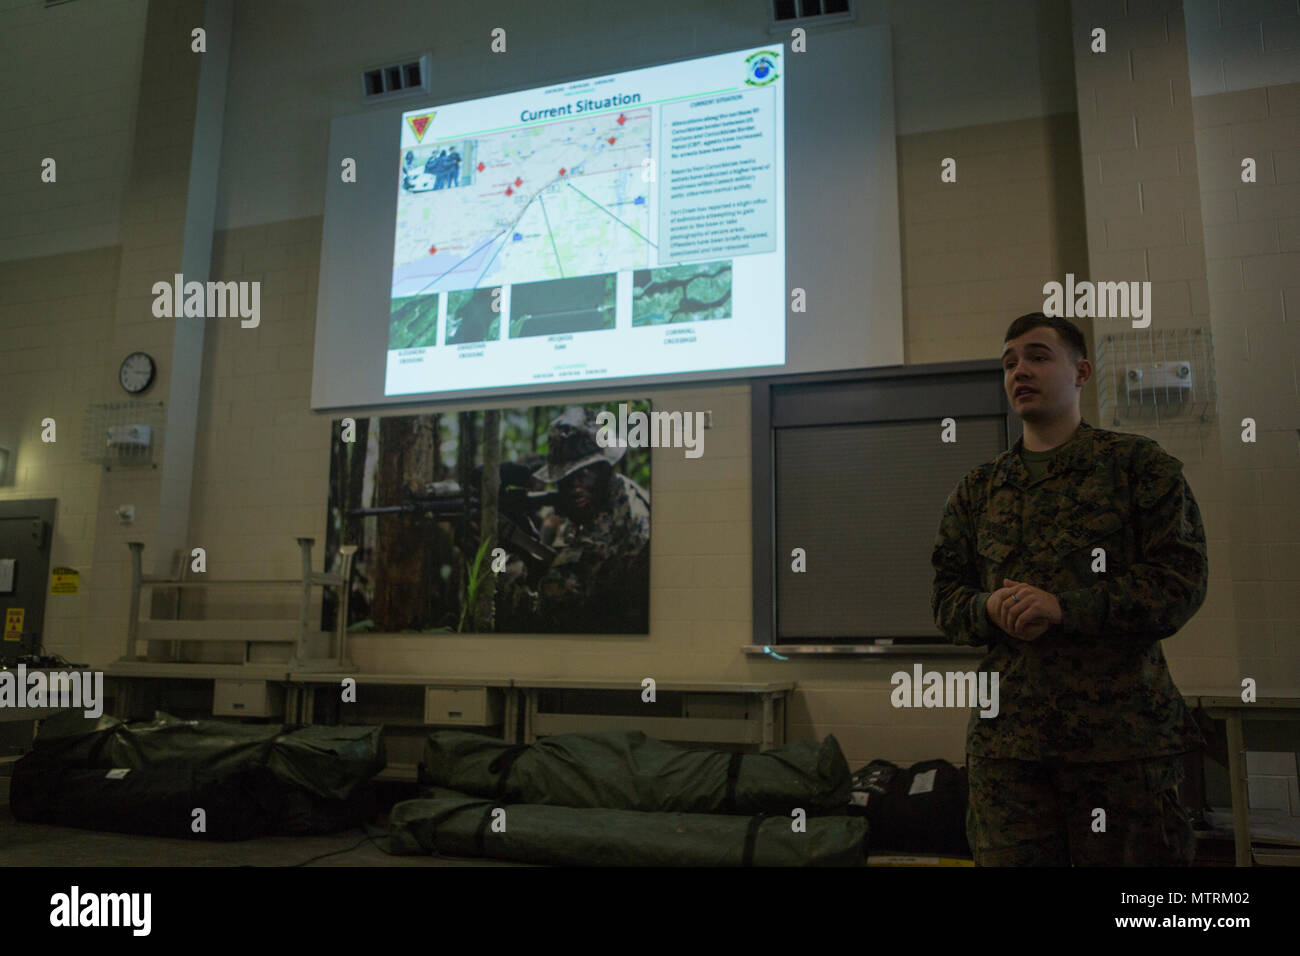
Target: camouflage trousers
1029 813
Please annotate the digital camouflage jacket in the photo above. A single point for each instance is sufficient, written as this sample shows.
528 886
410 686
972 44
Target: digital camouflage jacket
1095 687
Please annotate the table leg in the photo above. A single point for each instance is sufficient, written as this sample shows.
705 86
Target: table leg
511 729
767 722
1240 795
530 708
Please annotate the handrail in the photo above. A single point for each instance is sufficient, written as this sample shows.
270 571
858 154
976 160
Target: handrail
172 583
309 579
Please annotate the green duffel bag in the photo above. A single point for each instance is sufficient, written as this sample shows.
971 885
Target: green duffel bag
618 770
469 826
328 762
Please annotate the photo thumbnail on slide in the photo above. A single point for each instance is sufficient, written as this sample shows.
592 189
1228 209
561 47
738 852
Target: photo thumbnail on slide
438 166
615 204
584 304
413 322
691 293
471 317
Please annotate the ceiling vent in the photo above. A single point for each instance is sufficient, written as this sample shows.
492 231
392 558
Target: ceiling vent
400 79
803 12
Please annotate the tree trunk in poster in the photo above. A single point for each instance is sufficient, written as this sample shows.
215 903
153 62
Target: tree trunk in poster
483 616
406 451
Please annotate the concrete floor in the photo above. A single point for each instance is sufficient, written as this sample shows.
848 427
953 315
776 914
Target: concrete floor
34 844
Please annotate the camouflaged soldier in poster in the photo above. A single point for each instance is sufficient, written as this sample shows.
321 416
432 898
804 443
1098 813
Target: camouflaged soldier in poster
1071 556
599 582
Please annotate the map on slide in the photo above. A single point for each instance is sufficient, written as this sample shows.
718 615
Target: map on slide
548 201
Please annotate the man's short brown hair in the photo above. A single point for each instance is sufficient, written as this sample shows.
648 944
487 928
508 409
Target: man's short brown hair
1067 330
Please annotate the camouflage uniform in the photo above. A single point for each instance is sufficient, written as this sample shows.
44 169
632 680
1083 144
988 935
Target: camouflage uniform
1085 707
599 581
1041 813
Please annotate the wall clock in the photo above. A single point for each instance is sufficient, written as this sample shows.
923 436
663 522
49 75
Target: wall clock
137 372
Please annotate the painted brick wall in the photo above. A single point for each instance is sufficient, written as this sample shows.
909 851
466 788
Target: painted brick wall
67 92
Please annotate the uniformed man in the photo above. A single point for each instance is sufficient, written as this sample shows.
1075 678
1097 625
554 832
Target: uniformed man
1071 556
599 581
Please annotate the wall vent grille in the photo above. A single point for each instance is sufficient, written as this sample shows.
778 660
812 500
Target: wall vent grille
408 77
799 12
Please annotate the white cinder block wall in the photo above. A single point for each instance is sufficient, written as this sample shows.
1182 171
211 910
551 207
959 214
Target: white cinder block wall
68 92
995 85
1245 80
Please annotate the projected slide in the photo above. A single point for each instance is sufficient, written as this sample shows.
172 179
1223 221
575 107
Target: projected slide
625 225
